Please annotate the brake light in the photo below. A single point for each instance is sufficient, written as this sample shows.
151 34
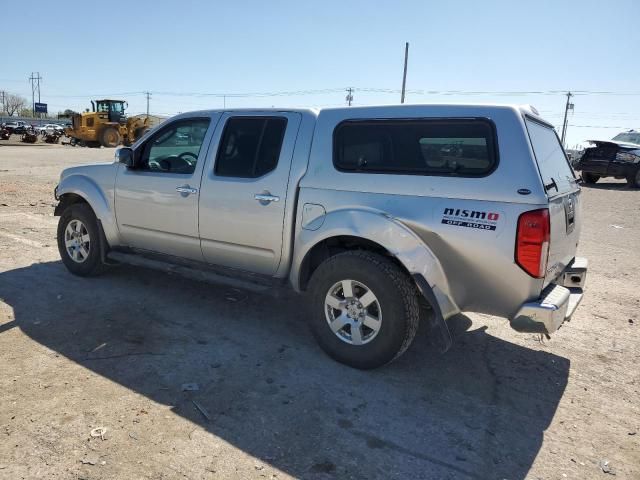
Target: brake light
532 242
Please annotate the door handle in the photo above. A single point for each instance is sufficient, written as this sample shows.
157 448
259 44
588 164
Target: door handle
265 198
186 189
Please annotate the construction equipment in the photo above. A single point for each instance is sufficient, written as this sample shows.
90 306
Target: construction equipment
106 125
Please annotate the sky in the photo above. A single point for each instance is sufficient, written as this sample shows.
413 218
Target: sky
189 54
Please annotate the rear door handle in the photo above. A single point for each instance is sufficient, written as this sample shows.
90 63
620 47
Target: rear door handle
265 198
186 190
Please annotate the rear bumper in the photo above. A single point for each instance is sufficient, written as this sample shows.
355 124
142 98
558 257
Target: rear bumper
557 302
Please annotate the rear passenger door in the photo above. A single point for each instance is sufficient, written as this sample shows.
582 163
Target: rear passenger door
244 190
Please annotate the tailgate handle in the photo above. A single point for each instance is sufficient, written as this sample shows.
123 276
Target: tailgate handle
570 212
551 185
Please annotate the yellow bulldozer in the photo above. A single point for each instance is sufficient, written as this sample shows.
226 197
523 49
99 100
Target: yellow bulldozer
106 125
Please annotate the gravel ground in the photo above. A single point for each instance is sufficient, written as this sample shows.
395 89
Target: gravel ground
114 352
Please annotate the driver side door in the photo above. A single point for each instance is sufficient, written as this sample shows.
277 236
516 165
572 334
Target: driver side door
156 202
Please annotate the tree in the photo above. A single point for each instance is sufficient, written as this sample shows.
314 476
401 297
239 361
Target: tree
14 103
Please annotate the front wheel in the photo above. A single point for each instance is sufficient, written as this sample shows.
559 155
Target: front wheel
634 179
79 241
110 138
364 309
590 178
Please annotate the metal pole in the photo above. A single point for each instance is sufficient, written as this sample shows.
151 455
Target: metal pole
564 122
404 73
349 98
148 95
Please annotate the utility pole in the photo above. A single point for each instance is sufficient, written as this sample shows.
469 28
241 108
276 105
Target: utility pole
404 74
349 97
2 94
567 107
35 87
148 94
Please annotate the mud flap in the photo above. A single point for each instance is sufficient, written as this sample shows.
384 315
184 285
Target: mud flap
104 245
438 328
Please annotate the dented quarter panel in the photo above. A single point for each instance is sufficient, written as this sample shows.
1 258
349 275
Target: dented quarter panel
433 224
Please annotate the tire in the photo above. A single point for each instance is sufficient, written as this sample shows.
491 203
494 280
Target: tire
139 132
85 261
590 178
110 137
634 179
396 306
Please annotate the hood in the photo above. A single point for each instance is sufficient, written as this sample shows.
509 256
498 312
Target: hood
91 170
625 145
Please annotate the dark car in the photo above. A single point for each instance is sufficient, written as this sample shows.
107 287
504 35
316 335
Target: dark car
619 158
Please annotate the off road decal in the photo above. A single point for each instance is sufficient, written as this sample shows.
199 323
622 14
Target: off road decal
479 219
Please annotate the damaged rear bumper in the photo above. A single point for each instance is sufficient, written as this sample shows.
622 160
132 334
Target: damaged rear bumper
557 302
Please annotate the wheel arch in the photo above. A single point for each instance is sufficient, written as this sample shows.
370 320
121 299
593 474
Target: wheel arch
81 189
369 230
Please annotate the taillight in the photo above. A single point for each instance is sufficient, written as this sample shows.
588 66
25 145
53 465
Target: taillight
532 242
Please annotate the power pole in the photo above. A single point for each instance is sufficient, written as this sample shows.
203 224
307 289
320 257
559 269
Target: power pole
3 93
349 97
567 107
35 87
148 94
404 74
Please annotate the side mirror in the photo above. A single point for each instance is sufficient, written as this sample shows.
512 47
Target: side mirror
125 155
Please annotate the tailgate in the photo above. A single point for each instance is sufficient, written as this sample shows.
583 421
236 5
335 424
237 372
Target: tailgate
563 193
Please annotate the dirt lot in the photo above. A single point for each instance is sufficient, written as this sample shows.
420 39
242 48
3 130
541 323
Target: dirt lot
114 352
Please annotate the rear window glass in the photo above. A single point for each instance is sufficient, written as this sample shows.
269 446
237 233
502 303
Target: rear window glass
553 164
416 147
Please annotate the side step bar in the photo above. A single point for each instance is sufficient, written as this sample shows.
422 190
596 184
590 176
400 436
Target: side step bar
200 275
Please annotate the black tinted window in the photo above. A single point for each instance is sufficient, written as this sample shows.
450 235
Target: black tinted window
250 146
422 147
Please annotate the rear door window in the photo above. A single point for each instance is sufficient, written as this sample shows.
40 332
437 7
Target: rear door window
554 167
250 146
416 147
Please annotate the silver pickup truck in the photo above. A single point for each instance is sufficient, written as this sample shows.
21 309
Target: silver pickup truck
383 215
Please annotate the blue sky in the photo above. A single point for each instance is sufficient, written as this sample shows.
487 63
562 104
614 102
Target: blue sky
173 49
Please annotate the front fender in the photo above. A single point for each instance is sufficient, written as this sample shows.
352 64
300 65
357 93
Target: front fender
97 199
386 231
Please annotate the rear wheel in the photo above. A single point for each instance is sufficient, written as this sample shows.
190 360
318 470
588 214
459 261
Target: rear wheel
364 309
79 241
633 180
590 177
110 137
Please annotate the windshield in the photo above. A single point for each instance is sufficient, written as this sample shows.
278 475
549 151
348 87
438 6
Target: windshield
115 107
629 137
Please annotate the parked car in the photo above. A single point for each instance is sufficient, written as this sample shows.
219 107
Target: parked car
384 216
50 128
17 128
618 158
